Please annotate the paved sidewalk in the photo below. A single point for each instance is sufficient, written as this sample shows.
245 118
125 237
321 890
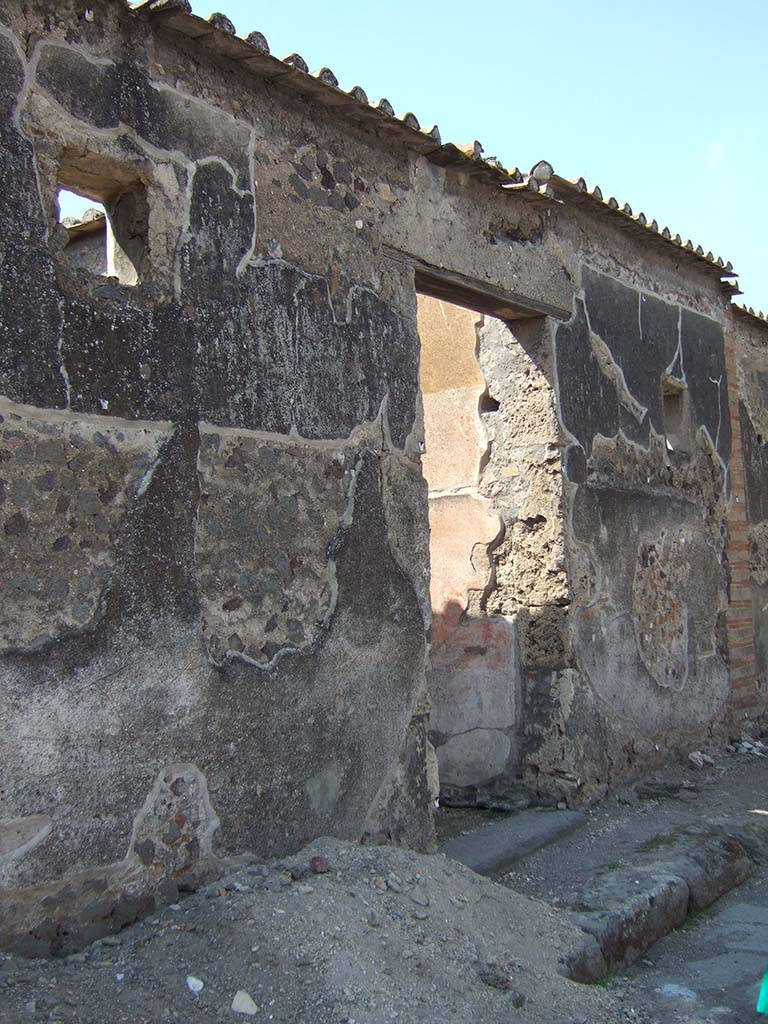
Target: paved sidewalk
665 848
499 844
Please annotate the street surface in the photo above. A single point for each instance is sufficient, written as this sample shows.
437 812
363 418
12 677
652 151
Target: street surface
710 971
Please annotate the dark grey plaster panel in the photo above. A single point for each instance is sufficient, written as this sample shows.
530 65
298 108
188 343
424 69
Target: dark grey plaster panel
221 222
30 309
111 95
704 362
130 361
659 322
641 333
755 462
588 400
301 365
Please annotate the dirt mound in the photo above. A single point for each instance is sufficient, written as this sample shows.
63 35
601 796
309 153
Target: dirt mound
337 933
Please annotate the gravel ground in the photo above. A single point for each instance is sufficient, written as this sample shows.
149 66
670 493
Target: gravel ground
348 934
383 935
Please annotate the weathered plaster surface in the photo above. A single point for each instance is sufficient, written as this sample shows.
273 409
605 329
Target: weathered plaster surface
169 851
264 557
645 532
660 610
214 510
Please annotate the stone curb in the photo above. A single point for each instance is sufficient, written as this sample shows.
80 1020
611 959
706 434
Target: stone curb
629 908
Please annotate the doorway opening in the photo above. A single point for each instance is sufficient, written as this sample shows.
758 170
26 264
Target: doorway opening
491 462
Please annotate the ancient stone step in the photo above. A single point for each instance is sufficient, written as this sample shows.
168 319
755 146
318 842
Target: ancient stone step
494 848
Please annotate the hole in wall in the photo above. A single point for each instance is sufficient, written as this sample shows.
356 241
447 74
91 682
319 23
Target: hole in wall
674 406
487 403
103 206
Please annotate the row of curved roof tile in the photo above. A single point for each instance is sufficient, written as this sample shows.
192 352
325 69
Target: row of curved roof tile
540 184
754 314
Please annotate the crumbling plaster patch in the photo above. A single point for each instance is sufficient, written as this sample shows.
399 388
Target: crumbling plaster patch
758 552
66 483
659 608
265 557
170 850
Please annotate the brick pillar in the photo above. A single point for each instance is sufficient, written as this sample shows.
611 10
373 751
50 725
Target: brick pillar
741 630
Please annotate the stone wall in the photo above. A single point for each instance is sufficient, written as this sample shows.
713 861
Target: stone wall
215 566
644 413
213 516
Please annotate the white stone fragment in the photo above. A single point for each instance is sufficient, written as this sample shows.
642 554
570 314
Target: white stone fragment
195 984
242 1003
699 760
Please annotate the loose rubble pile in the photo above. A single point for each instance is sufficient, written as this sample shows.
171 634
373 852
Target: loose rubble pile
747 745
339 934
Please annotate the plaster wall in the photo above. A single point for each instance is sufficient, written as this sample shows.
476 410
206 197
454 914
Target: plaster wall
646 531
214 564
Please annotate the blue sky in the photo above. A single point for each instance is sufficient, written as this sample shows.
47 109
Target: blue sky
663 104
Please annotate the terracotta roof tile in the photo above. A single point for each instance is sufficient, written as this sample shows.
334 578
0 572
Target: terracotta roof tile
541 184
751 314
